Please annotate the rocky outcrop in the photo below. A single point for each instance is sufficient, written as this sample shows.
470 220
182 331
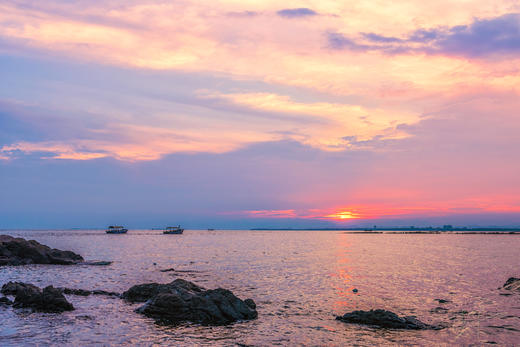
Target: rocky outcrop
183 301
384 319
512 283
18 251
49 299
12 288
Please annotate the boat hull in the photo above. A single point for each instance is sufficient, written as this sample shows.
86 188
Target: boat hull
123 231
177 232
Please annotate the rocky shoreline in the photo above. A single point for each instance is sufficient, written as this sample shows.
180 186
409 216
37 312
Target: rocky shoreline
172 303
18 251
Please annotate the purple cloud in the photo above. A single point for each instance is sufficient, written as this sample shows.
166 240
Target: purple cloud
482 38
296 12
380 38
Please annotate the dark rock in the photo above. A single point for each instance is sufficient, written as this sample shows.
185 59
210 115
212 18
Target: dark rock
18 251
181 301
80 292
5 301
167 270
512 283
442 301
144 292
103 292
383 319
12 288
250 303
49 300
96 263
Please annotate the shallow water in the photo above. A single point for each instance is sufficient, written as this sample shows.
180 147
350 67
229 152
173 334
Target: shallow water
299 279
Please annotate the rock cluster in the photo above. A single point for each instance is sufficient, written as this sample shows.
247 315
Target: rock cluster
183 301
383 319
27 295
512 283
18 251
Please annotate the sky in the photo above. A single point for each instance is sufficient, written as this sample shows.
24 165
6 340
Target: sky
239 114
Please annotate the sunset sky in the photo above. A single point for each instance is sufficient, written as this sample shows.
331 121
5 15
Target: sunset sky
259 113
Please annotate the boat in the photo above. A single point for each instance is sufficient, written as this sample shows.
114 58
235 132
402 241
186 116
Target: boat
116 229
173 230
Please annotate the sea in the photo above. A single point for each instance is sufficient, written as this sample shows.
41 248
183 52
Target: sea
300 281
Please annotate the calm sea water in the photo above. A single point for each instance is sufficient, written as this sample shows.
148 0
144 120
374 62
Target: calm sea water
299 279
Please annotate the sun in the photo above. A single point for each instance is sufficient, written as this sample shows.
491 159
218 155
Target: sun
343 215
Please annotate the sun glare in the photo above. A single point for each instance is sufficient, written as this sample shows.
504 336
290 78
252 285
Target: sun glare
343 215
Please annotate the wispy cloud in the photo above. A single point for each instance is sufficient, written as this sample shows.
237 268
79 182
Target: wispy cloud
296 12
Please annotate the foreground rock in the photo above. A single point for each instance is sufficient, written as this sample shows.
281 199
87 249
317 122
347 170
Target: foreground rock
512 283
27 295
18 251
12 288
182 301
383 319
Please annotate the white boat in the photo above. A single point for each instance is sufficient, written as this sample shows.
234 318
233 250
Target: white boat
116 229
173 230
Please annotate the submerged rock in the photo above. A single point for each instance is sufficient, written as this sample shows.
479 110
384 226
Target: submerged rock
18 251
84 292
512 283
181 301
167 270
96 263
384 319
49 299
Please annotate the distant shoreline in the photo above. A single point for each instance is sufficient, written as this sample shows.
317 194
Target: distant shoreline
465 231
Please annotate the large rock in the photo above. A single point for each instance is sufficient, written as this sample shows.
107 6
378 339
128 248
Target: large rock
181 301
512 283
12 288
49 299
383 319
18 251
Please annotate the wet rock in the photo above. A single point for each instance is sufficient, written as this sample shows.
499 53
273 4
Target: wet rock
96 263
80 292
144 292
49 299
383 319
12 288
83 292
18 251
512 283
103 292
5 301
181 301
167 270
